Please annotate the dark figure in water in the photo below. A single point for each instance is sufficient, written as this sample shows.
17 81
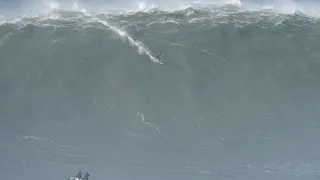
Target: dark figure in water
158 56
86 176
79 175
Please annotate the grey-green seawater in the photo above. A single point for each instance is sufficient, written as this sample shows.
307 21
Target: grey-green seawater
237 95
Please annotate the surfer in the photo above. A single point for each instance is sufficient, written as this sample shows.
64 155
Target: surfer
157 57
179 27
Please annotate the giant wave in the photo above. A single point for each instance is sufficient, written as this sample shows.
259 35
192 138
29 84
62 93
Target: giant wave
235 95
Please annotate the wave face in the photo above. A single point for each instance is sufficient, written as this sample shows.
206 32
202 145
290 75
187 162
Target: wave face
235 94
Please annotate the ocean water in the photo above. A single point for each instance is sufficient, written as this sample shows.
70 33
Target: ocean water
234 95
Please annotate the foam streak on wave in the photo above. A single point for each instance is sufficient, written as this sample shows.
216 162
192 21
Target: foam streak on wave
142 49
2 40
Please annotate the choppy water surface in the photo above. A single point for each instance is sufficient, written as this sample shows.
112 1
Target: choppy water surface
235 94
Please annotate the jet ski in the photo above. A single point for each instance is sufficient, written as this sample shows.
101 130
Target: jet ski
78 176
74 178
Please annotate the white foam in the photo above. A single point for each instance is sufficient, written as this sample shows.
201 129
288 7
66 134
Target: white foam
76 7
150 124
2 40
310 8
142 49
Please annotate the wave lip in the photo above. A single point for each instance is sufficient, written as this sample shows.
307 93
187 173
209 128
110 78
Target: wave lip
309 8
200 14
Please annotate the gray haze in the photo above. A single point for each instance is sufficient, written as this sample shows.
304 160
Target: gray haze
236 98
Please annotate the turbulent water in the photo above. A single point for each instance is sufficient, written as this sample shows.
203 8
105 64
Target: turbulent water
235 95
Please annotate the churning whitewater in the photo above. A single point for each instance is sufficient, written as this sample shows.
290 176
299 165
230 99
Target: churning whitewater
208 91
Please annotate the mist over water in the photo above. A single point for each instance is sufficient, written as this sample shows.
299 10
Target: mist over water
235 94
